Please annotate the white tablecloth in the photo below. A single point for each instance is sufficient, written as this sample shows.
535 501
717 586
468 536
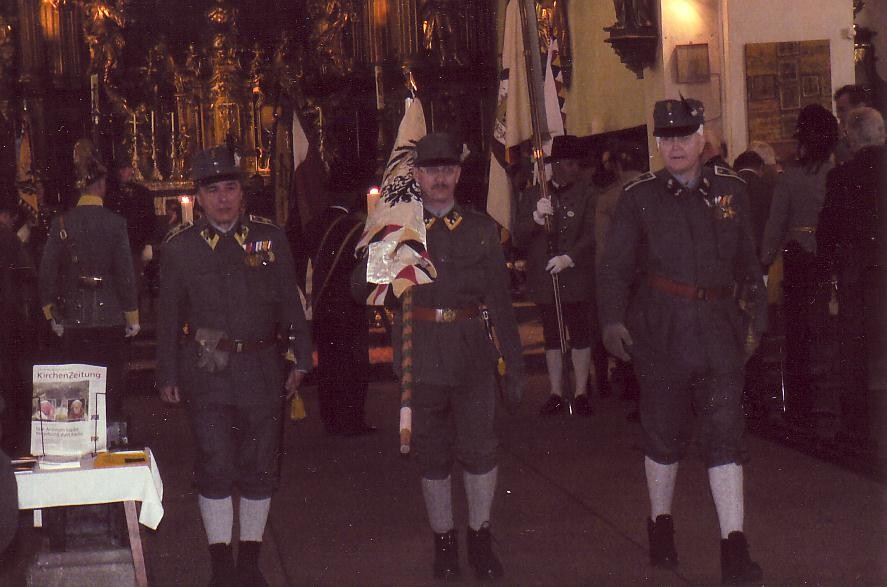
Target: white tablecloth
87 485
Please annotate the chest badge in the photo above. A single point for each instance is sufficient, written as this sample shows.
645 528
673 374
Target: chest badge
570 213
723 207
258 253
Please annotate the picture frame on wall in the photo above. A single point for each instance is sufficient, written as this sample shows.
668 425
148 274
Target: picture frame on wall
789 97
809 86
692 63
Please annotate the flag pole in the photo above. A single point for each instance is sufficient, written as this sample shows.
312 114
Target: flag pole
535 86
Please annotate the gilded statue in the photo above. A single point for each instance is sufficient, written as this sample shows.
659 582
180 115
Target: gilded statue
632 15
332 33
440 27
103 22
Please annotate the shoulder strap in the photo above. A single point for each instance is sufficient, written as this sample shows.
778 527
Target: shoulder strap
66 242
336 259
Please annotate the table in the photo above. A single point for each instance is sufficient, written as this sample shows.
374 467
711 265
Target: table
88 485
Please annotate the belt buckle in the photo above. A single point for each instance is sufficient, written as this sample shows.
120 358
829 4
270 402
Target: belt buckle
445 315
701 293
238 346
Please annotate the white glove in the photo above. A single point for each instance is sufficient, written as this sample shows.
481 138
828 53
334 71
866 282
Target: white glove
558 263
543 208
132 330
57 328
147 253
616 338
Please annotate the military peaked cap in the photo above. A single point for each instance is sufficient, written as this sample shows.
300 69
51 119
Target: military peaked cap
215 164
437 149
677 118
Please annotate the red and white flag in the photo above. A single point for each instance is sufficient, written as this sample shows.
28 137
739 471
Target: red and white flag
309 174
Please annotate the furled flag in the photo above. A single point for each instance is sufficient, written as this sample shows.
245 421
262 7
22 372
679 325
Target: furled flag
26 179
552 83
309 174
394 236
513 124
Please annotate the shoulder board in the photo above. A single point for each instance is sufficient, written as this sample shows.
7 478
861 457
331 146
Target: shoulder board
261 220
727 172
174 232
642 178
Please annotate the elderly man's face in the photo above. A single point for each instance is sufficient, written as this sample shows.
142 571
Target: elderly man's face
221 201
682 155
438 183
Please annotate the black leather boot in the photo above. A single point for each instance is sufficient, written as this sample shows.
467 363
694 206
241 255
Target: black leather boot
737 568
661 537
248 573
222 558
481 556
446 556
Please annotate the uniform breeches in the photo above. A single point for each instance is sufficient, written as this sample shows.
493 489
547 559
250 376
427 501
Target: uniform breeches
454 422
576 319
236 447
668 401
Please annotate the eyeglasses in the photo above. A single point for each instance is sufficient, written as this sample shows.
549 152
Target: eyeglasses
683 140
439 170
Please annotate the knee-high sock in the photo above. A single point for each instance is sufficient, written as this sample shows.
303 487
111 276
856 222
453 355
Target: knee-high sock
726 489
438 494
660 485
218 518
253 517
555 366
581 368
480 489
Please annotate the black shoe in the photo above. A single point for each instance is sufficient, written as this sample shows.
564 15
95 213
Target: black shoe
555 405
737 568
248 573
581 405
661 537
481 556
446 556
222 559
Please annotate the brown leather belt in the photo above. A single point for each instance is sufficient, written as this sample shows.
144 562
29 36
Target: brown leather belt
444 314
685 290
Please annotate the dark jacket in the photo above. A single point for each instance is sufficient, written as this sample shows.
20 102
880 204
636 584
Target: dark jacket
697 237
573 223
849 236
96 246
465 250
208 280
760 197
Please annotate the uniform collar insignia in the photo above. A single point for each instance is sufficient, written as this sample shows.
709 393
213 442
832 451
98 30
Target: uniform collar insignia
451 219
704 187
210 235
674 187
241 234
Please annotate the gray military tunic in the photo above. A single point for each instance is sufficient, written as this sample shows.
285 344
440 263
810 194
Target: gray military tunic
242 283
96 246
685 351
207 281
574 225
454 363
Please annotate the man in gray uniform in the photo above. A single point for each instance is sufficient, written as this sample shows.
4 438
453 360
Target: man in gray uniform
454 361
569 253
227 297
678 256
87 284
